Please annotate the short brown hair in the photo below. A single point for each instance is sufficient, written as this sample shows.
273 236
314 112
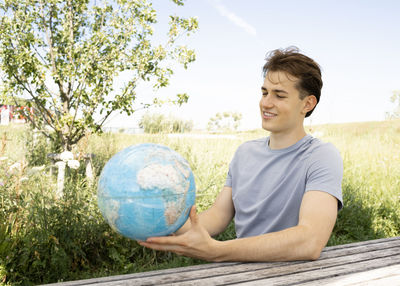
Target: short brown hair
291 61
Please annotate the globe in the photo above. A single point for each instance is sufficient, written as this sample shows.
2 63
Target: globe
146 190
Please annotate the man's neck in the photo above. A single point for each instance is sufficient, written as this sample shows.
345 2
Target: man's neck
283 140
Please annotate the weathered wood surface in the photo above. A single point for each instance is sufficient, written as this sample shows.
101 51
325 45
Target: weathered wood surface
375 262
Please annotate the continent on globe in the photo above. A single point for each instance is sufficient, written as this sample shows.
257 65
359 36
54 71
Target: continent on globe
167 178
146 190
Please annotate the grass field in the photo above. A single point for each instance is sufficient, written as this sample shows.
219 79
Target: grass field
44 240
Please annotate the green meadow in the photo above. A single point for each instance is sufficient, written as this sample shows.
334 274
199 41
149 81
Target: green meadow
44 239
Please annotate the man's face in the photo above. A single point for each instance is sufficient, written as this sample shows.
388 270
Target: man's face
282 110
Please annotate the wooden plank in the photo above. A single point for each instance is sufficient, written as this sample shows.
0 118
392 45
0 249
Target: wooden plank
178 275
321 269
383 276
317 276
361 243
253 271
169 271
359 247
215 270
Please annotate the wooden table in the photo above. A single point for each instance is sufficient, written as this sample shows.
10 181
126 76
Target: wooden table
375 262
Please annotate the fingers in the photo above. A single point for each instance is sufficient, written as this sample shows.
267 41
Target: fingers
163 240
173 242
156 246
164 243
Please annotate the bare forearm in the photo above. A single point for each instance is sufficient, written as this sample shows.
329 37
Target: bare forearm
305 241
211 222
296 243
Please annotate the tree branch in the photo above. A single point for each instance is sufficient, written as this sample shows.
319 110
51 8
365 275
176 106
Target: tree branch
99 125
40 56
35 98
49 37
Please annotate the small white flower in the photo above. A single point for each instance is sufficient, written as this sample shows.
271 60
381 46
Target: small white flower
66 156
3 158
23 179
73 164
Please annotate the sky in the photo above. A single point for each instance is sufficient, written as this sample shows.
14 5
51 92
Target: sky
356 43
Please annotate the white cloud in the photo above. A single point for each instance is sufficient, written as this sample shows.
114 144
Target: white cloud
234 18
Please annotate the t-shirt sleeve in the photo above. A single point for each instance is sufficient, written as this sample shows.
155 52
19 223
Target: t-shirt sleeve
325 172
233 165
228 181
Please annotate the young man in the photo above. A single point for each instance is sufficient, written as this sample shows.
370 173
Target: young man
283 191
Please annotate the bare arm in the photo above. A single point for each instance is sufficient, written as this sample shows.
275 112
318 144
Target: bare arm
305 241
217 217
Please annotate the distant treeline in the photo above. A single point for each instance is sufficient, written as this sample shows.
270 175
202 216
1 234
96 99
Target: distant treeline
159 123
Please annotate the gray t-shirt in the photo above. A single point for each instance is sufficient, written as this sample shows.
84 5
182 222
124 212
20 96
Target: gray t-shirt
268 185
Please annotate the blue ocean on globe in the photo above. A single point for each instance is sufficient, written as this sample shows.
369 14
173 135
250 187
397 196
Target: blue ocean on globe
146 190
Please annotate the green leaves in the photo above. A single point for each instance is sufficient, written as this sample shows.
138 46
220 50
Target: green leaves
178 24
66 56
178 2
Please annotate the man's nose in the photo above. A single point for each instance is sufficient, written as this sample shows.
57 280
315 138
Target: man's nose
266 101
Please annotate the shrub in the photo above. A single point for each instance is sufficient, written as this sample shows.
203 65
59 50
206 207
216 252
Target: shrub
38 146
159 123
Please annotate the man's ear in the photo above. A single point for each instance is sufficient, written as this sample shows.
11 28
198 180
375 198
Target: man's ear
309 103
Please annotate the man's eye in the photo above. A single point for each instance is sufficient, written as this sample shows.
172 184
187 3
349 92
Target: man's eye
279 96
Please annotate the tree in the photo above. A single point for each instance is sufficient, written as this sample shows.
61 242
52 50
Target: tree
395 98
225 121
66 56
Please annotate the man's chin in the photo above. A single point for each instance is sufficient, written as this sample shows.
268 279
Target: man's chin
267 128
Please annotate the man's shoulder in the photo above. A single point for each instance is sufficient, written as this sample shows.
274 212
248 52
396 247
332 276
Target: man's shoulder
310 146
257 141
251 144
325 153
251 148
318 147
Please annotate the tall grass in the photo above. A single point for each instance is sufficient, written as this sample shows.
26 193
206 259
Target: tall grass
43 239
371 183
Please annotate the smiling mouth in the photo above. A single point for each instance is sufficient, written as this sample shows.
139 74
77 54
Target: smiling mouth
268 115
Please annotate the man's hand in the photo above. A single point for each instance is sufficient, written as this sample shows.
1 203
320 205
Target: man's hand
196 242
